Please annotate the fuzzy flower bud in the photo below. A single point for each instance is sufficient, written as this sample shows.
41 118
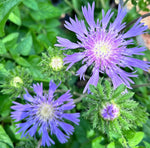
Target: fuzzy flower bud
56 63
109 112
16 81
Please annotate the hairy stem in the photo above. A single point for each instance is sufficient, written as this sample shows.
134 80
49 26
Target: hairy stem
39 143
78 99
132 22
125 2
141 85
103 3
86 76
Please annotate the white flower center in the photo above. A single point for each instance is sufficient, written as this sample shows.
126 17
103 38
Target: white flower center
45 112
56 63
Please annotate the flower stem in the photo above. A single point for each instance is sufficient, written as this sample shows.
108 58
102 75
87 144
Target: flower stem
141 85
103 4
39 143
78 99
125 2
86 76
132 22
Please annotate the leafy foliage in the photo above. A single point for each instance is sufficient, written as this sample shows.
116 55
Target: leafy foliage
131 114
28 30
16 81
49 69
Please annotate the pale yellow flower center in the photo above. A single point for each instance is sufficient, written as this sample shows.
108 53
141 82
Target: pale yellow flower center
56 63
45 112
16 81
102 50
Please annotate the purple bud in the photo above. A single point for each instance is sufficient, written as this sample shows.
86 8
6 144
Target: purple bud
110 112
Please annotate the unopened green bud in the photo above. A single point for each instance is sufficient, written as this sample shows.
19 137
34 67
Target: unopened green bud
16 82
56 63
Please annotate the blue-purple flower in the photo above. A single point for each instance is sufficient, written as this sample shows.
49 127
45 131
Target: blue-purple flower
110 112
104 46
46 115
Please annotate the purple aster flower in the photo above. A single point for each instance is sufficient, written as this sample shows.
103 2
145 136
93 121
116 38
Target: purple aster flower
110 112
45 114
104 46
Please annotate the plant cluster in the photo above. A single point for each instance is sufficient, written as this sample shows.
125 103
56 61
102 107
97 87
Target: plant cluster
45 51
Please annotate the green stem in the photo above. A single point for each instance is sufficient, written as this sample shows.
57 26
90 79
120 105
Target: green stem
41 80
125 2
141 85
103 4
39 143
78 99
76 10
132 22
86 76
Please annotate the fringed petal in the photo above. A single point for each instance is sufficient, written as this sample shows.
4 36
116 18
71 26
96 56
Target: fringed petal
89 15
72 59
93 80
66 44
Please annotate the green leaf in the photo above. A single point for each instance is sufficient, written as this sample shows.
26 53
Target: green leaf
21 61
115 144
46 11
5 105
125 97
10 40
118 91
92 89
5 141
96 142
12 130
5 9
90 133
24 47
10 37
108 88
80 131
15 16
111 145
100 89
147 145
93 97
51 24
2 48
135 139
3 71
42 38
35 68
38 48
31 4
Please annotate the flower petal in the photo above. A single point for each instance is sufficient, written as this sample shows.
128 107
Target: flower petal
93 80
66 43
38 89
76 26
72 117
137 29
72 59
89 15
